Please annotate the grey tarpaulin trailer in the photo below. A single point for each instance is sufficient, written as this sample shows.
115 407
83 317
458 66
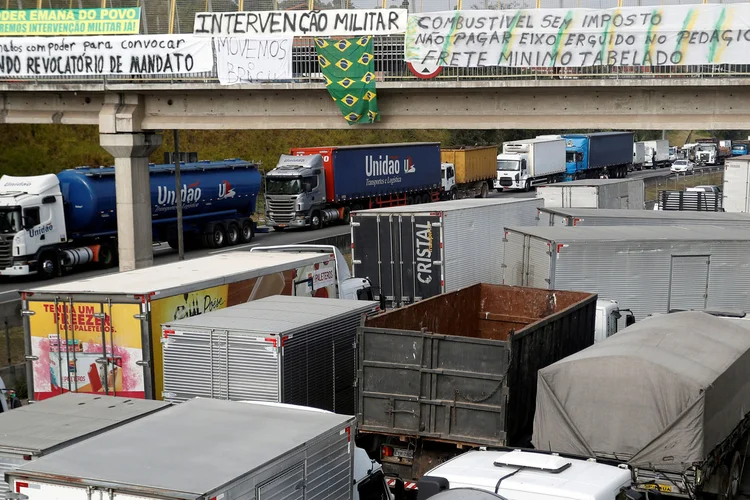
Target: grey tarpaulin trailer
617 217
204 449
295 350
33 431
667 395
416 252
646 269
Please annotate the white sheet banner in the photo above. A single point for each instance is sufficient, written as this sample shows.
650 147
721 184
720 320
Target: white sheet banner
627 36
105 55
248 59
335 22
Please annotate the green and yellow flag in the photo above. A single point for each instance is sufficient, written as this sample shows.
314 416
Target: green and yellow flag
349 70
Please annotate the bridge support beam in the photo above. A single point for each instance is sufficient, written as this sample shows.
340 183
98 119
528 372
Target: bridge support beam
133 189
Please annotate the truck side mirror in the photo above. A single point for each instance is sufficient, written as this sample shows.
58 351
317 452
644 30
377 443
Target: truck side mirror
629 320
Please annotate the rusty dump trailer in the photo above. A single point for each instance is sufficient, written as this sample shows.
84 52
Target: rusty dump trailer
459 370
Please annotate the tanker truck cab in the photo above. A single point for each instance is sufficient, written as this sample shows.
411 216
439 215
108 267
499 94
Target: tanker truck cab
296 193
349 287
528 475
32 222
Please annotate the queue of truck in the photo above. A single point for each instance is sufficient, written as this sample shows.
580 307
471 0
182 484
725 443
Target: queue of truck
471 330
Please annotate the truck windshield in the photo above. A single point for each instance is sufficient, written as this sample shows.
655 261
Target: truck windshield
10 220
508 165
283 186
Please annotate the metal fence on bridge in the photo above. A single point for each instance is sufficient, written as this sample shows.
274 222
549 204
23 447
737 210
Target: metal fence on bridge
176 16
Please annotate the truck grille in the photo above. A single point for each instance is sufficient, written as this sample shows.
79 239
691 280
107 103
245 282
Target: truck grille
6 254
283 210
506 181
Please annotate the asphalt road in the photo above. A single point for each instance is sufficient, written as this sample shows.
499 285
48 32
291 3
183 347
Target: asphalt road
9 288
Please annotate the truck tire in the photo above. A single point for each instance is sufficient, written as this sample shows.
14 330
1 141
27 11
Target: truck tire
347 216
247 231
48 265
315 221
233 233
218 236
426 198
527 186
107 255
735 476
484 191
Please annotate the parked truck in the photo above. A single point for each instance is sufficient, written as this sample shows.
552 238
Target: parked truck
413 253
467 172
206 449
707 152
736 188
590 156
526 163
639 155
311 187
102 335
673 389
657 153
50 223
646 269
306 359
481 346
740 148
594 193
73 417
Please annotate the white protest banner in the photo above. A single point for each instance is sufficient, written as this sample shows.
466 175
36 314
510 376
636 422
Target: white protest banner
248 59
335 22
105 55
626 36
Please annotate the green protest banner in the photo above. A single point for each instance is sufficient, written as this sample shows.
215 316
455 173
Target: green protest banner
68 22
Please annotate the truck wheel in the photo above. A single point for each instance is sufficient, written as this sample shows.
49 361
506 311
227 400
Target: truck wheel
347 216
49 265
107 255
218 236
527 186
734 477
315 221
426 198
485 191
233 233
247 231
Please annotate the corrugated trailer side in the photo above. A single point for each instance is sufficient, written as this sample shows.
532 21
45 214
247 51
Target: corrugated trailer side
461 368
472 163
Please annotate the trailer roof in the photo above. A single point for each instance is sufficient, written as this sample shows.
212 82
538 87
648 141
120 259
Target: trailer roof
41 428
275 314
589 182
647 214
365 146
597 134
189 450
686 391
169 279
445 206
634 233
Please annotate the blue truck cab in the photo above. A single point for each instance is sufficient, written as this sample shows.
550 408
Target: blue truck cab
589 156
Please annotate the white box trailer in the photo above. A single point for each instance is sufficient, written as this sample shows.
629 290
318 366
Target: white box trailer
737 184
639 155
594 193
646 269
293 350
616 217
657 153
416 252
33 431
529 162
200 450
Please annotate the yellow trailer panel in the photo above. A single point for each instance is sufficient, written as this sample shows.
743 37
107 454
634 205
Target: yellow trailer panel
473 163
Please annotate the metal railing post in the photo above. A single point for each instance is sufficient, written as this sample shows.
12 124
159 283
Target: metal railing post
172 10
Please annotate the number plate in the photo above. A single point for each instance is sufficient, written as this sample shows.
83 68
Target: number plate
403 453
664 488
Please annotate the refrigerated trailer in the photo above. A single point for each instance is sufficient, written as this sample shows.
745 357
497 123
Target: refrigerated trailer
595 193
458 371
101 335
33 431
416 252
646 269
205 449
295 350
616 217
737 184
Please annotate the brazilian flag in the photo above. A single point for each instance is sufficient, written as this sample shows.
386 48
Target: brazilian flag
348 68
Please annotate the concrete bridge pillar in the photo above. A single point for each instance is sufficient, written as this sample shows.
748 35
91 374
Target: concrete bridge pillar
121 135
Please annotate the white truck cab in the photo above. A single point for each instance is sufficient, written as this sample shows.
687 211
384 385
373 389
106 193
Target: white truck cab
608 314
448 179
527 475
350 288
31 219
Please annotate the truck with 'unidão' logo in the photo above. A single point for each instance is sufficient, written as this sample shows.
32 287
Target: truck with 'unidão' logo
53 223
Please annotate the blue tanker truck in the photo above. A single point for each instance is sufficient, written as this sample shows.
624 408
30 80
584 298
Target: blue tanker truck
589 156
50 223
